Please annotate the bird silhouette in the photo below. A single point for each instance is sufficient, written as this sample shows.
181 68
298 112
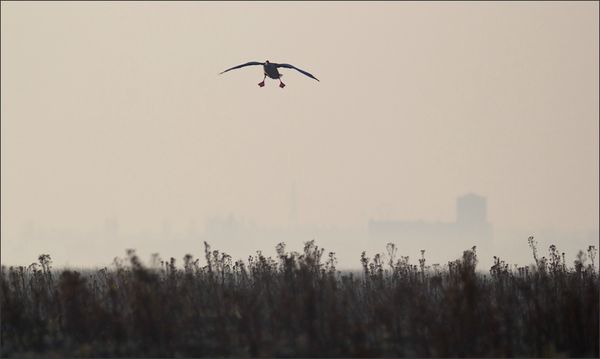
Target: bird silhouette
271 69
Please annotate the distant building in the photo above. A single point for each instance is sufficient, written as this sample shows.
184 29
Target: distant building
470 228
471 210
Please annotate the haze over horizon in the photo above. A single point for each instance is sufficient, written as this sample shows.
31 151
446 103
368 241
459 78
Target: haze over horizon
115 110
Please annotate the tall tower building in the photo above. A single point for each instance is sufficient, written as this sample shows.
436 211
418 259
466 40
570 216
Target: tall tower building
293 207
471 209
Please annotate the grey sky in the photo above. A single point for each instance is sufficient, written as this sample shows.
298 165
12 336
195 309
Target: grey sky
116 109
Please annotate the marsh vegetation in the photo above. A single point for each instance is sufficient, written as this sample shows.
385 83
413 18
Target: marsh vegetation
299 304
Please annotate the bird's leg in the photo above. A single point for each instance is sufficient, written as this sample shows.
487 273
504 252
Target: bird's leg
281 84
261 84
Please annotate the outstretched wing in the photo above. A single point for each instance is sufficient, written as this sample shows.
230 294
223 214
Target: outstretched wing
288 66
243 65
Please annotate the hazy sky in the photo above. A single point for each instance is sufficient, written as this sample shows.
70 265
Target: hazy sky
117 110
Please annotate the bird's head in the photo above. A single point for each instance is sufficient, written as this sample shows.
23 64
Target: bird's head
267 62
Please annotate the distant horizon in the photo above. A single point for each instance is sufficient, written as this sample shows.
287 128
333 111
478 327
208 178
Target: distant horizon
514 239
195 234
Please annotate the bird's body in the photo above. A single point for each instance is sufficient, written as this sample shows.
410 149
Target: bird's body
270 69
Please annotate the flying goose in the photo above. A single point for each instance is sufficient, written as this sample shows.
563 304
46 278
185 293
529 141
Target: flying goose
270 69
